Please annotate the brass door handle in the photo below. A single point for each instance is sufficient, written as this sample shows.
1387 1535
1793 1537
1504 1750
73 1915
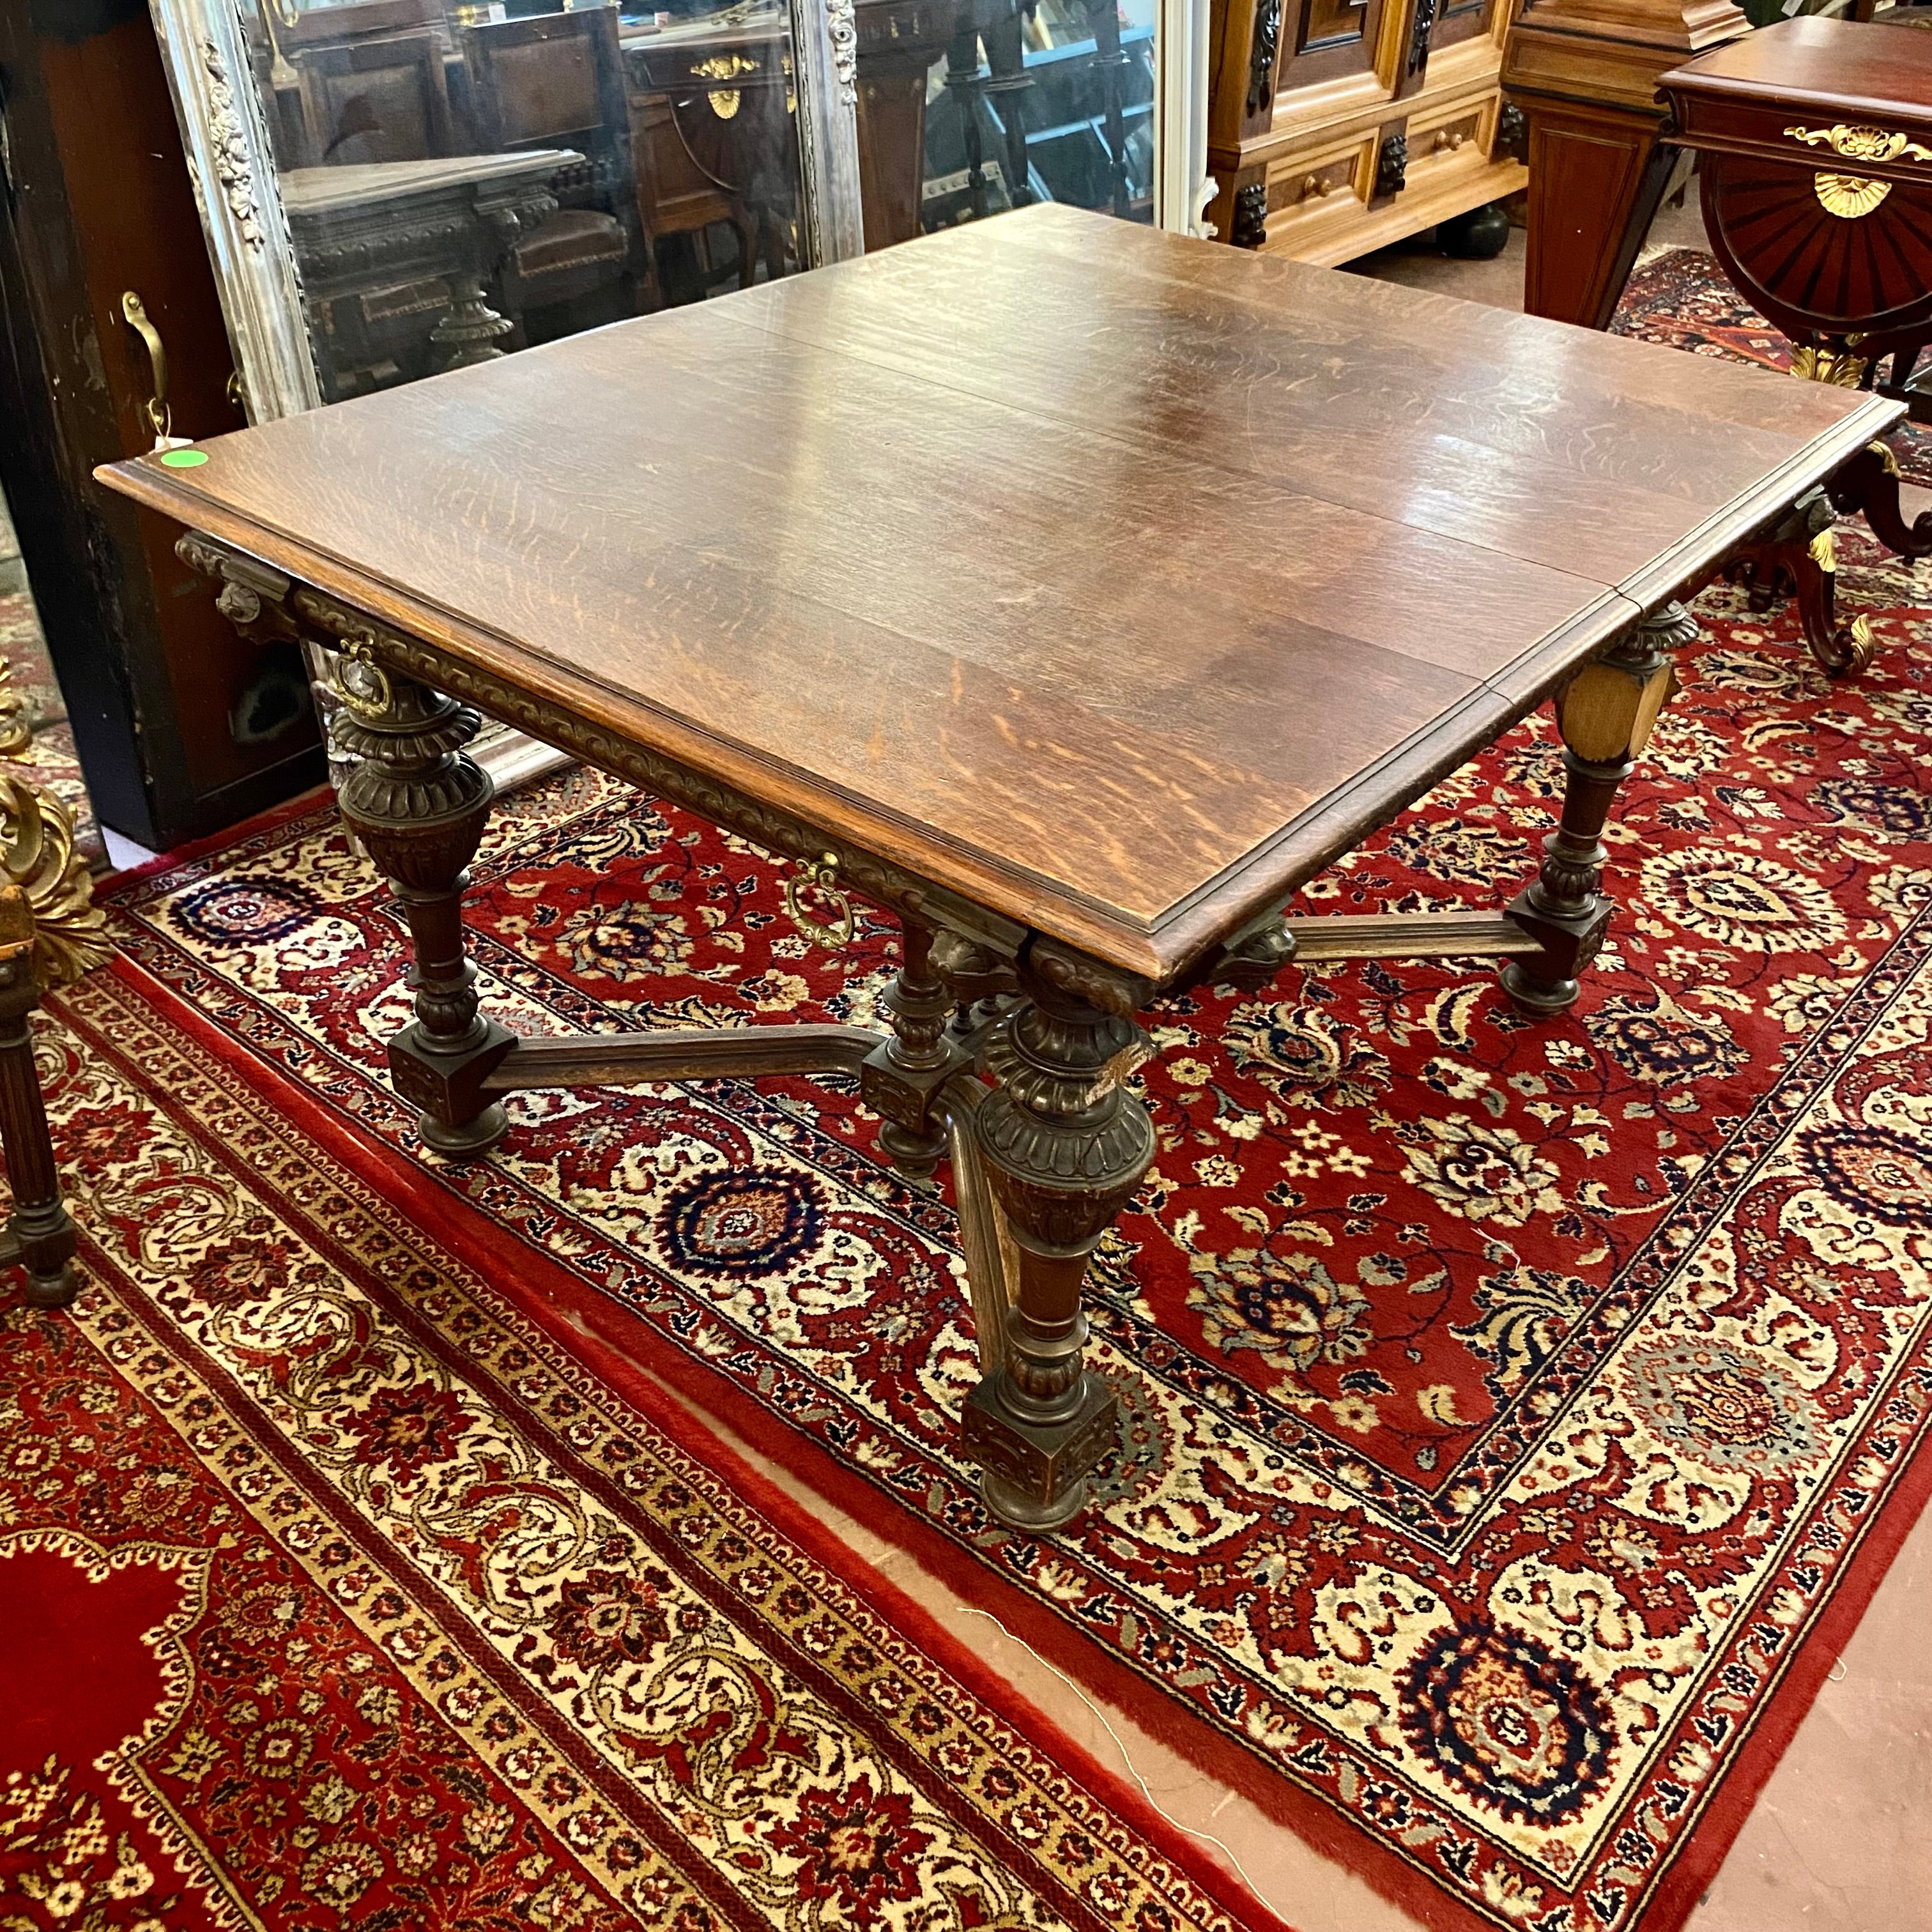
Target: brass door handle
134 312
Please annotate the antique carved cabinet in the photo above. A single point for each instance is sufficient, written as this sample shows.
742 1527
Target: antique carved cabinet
1336 126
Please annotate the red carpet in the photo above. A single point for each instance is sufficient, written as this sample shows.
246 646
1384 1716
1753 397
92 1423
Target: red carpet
1515 1415
343 1586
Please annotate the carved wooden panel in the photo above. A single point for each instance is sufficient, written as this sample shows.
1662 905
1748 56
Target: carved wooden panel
1328 39
1458 20
1330 23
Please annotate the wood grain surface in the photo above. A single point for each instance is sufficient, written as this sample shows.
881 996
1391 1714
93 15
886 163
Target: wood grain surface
1853 68
1114 581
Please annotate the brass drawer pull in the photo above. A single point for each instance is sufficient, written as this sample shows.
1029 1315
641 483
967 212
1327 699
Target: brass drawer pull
134 312
1857 143
820 876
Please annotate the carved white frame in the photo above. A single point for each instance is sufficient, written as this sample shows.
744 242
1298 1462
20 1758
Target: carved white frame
1182 186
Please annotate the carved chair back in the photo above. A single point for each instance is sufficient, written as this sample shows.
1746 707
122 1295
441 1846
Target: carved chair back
378 99
553 81
556 80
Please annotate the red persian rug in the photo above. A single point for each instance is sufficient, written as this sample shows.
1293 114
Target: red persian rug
1515 1414
1683 298
336 1591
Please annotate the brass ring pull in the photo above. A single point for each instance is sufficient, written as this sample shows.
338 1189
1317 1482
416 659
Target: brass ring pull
360 682
134 312
821 875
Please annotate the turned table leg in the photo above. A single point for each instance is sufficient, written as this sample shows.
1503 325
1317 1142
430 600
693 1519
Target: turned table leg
40 1225
1605 712
418 802
1064 1145
469 331
901 1078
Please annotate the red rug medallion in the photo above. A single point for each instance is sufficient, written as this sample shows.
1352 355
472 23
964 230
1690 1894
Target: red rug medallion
1505 1404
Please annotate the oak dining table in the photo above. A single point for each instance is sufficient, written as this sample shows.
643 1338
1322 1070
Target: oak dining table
1070 593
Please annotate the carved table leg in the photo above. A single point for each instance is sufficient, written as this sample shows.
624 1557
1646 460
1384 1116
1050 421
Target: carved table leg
1065 1145
1605 712
418 802
900 1079
1007 84
1814 572
1799 557
468 331
1870 482
965 83
40 1223
1110 64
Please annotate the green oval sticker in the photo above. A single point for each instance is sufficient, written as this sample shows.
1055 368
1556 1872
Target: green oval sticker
184 459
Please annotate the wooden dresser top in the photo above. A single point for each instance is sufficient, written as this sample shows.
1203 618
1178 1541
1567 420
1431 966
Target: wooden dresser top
1115 581
1846 67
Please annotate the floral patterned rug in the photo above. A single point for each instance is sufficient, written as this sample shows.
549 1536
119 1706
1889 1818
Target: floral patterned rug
1515 1414
1683 298
334 1591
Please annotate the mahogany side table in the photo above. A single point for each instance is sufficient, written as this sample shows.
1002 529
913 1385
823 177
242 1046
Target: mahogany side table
1817 135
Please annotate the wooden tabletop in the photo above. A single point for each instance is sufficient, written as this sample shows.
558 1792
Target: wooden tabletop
1114 581
316 191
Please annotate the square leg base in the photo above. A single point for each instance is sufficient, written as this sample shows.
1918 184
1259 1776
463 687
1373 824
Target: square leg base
456 1117
1035 1474
1547 983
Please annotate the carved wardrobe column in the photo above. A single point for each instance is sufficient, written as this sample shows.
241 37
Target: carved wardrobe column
1065 1145
1605 712
418 802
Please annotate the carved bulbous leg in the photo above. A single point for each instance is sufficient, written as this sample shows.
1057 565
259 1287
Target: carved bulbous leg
419 803
900 1080
469 330
1065 1145
39 1222
1605 712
